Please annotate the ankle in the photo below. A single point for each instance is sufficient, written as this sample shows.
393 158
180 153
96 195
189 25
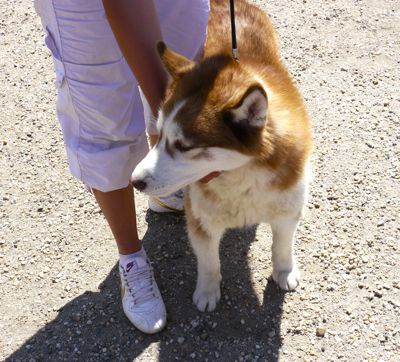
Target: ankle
129 247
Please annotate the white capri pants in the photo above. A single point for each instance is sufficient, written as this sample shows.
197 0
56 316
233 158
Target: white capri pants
99 104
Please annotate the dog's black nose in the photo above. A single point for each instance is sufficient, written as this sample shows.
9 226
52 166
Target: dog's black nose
138 184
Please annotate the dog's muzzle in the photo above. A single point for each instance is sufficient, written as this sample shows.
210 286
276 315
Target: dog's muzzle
138 184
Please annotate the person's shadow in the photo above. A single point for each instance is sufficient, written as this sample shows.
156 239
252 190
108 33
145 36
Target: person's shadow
92 327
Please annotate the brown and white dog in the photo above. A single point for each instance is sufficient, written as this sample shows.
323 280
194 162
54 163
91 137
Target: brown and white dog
246 120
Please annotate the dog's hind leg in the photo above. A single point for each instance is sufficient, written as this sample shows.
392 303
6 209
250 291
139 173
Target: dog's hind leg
206 248
285 272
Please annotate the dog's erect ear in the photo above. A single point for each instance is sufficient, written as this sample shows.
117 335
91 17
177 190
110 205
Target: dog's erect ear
252 108
173 62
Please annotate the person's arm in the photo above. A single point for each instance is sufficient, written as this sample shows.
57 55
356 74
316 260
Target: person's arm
137 29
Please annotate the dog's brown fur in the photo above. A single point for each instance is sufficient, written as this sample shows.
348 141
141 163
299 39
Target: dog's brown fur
218 84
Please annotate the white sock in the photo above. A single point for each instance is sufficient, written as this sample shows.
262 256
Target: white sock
125 258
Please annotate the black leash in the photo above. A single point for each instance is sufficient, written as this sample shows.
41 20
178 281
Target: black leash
233 31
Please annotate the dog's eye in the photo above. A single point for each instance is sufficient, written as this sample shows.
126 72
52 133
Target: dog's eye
181 147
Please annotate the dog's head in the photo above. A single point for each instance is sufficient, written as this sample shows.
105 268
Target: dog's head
211 120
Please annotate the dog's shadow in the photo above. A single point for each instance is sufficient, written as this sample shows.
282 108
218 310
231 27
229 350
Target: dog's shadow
92 327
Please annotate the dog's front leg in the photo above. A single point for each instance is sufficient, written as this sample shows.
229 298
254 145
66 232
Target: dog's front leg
206 248
285 272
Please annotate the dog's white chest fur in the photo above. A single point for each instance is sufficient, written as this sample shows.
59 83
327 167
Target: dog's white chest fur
243 197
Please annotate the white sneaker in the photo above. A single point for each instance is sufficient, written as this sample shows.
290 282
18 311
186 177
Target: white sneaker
141 298
169 203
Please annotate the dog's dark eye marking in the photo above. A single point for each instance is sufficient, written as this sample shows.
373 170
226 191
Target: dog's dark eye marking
181 147
169 149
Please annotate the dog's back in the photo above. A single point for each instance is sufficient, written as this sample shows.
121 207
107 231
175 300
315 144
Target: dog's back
256 36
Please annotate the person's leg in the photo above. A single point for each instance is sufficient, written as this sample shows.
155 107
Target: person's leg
141 298
118 208
101 117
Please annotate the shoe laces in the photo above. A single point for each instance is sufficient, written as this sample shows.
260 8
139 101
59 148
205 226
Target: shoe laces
140 284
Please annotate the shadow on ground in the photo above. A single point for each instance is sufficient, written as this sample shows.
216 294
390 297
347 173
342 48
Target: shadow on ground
92 327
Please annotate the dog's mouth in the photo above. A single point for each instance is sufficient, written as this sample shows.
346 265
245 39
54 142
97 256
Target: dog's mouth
167 189
210 176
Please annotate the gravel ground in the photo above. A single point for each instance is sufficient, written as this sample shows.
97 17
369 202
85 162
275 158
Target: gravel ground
59 297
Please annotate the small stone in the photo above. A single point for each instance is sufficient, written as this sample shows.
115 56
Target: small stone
272 333
181 340
321 331
378 293
394 303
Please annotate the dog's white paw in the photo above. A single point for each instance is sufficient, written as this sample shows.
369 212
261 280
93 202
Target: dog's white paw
206 299
287 280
